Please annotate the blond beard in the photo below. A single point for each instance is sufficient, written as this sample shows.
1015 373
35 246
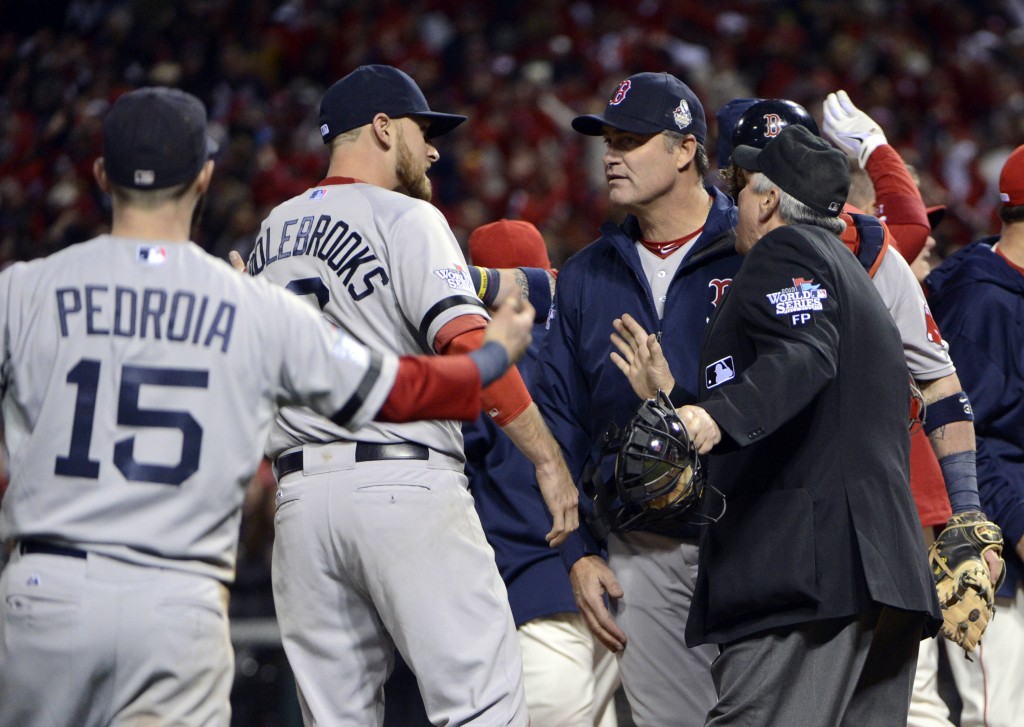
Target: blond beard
413 183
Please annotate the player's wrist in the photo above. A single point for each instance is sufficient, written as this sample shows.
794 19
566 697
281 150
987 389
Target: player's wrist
487 282
868 146
961 476
492 360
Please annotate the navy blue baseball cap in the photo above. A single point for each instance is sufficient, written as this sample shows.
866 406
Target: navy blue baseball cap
728 116
154 138
804 166
649 103
369 90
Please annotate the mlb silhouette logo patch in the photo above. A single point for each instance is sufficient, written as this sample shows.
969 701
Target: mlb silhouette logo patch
318 194
151 254
719 372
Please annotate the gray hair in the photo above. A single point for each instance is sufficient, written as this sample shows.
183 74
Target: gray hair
795 212
674 138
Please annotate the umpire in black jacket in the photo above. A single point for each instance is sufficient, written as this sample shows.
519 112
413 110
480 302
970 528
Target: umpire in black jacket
813 582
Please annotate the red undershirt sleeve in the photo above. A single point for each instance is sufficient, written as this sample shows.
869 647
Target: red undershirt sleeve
433 387
898 201
507 397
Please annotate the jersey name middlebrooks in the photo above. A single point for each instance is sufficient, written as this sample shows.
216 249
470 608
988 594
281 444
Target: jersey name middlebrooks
333 241
179 316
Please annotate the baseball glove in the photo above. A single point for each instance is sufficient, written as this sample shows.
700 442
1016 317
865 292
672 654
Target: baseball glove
965 589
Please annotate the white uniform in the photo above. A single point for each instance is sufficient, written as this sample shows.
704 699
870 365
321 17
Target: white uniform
139 383
373 552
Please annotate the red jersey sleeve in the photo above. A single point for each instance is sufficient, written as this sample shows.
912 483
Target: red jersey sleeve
433 387
898 201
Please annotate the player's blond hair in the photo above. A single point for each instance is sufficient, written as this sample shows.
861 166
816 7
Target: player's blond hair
346 137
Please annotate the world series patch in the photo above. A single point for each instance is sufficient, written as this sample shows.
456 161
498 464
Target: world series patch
799 302
456 278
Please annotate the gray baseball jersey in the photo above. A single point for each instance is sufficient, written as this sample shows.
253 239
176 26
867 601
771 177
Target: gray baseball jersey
926 353
139 383
386 268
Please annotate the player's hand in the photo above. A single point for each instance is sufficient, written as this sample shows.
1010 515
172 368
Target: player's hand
591 578
562 499
851 129
236 261
995 565
512 326
703 431
640 358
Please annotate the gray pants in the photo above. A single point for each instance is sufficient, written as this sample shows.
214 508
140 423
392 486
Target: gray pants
98 642
837 673
374 556
665 682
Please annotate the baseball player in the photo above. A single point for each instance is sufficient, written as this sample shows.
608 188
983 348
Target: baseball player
377 543
570 677
139 377
668 265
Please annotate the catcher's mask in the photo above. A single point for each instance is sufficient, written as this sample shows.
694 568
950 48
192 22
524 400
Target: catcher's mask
657 475
657 465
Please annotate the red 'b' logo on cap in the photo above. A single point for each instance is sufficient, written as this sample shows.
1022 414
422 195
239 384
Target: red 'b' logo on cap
620 95
772 125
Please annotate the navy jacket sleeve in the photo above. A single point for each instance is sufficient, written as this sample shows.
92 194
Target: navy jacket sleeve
786 308
562 393
970 327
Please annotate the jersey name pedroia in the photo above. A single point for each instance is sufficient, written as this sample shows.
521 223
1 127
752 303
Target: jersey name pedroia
384 267
139 384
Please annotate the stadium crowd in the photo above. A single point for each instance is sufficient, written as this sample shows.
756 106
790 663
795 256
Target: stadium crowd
944 80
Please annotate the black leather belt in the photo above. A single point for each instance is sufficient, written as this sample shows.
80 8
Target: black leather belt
365 452
42 547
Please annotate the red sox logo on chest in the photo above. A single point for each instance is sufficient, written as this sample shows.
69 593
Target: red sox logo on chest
718 285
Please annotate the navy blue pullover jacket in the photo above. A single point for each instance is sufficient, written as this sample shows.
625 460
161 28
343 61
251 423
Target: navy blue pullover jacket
978 302
579 390
513 513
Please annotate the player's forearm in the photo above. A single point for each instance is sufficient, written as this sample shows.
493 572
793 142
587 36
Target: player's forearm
950 430
536 285
533 438
952 438
955 436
